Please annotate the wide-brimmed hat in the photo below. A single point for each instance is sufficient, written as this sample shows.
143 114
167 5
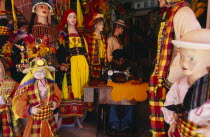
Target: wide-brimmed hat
38 63
196 39
120 22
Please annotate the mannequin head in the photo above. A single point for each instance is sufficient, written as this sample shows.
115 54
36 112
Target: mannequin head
194 52
72 19
99 26
97 22
68 17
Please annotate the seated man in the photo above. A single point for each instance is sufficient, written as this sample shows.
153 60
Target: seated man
120 70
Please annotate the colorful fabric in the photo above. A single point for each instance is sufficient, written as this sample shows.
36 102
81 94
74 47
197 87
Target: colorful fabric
97 54
39 30
10 126
71 108
186 128
4 30
6 127
44 113
157 90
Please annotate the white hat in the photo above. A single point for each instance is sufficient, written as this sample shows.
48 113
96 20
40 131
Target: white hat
196 39
120 22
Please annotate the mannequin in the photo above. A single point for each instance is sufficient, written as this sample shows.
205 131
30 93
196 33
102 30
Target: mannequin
176 21
37 91
40 40
78 74
96 47
187 101
8 87
113 42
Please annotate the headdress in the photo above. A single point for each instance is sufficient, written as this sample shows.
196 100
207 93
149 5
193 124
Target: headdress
64 18
42 3
38 63
196 39
120 22
96 18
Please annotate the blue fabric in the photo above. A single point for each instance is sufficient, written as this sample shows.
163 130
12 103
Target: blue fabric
126 120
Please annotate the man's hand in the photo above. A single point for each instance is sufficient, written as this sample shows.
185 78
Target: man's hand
205 131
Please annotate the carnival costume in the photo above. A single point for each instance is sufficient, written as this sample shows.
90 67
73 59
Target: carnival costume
9 126
78 74
28 95
176 20
96 50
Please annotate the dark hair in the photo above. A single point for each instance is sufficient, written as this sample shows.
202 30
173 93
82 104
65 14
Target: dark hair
118 54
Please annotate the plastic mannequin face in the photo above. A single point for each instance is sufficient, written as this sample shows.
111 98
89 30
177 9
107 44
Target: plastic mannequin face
42 10
72 19
39 74
194 61
99 26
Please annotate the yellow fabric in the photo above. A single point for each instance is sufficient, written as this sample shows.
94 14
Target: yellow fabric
101 49
127 91
79 75
65 88
75 42
79 15
29 75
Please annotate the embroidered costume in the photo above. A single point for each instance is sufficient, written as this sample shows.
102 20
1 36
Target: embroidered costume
78 74
76 77
28 96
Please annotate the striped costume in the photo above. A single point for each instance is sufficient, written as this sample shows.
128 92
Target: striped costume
157 87
43 123
97 54
9 126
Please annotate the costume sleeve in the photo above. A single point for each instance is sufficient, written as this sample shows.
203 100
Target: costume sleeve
109 50
171 99
57 95
185 21
21 106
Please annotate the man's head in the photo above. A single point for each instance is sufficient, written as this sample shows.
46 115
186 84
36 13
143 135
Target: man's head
118 56
119 26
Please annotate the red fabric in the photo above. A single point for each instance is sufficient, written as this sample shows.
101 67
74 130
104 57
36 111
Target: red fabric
64 18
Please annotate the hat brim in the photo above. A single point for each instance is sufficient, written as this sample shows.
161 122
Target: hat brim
119 23
190 45
49 67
